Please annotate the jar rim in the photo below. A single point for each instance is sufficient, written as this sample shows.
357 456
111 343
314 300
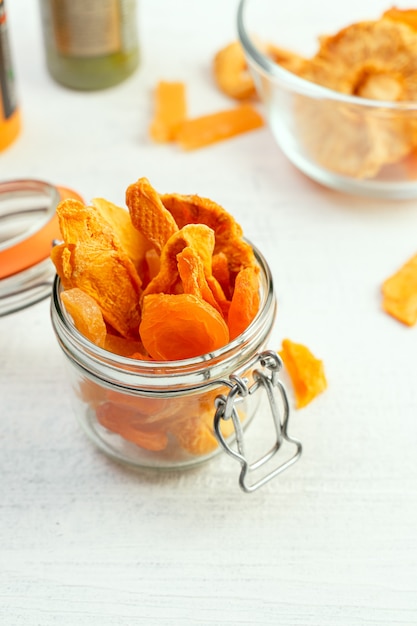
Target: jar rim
92 358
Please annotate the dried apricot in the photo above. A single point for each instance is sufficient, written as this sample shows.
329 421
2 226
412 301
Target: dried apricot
181 326
170 110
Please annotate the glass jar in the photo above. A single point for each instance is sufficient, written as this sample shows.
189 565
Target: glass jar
176 414
90 45
28 227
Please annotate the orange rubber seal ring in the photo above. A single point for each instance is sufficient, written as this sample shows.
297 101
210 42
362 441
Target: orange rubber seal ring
37 247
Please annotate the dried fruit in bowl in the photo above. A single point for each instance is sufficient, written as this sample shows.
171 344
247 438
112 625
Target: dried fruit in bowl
400 293
376 60
170 110
305 370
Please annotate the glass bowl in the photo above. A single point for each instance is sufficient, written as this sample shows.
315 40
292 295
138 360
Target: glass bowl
347 142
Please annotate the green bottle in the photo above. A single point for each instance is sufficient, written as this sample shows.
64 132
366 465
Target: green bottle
90 44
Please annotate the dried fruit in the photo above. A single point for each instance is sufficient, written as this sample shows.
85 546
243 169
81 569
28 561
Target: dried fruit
245 301
86 315
148 214
305 370
231 72
181 326
170 110
213 127
400 293
92 259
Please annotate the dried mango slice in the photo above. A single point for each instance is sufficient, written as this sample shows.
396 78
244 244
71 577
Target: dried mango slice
193 279
86 315
305 370
194 209
221 272
245 301
182 326
231 72
195 436
197 236
148 214
93 260
214 127
170 110
132 241
400 293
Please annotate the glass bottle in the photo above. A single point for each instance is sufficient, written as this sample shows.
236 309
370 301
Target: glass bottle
9 111
90 45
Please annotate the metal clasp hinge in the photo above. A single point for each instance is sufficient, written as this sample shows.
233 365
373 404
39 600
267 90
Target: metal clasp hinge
278 402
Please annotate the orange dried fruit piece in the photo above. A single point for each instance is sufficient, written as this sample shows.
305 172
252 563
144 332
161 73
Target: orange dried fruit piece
93 259
194 209
132 241
170 110
193 279
214 127
305 370
231 72
245 301
400 293
195 436
124 347
86 315
197 236
180 326
148 214
124 421
407 16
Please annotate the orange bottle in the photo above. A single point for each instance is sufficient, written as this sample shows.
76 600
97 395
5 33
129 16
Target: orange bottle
9 111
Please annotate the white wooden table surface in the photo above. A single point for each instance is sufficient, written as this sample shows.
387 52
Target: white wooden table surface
332 541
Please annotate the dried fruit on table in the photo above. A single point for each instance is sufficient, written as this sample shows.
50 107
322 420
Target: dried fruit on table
148 214
305 370
231 72
180 326
93 259
170 110
86 315
400 293
208 129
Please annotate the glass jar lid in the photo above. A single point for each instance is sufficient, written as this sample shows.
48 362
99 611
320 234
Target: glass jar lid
28 228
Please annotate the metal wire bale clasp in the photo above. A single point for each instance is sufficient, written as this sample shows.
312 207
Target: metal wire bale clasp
276 394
